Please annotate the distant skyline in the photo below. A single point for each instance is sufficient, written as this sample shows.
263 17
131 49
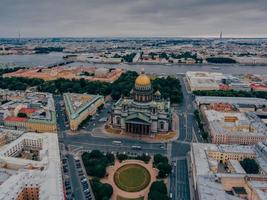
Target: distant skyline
133 18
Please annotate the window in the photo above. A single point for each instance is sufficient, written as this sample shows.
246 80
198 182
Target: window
118 120
161 125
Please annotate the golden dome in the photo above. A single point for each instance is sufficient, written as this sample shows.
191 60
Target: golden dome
142 80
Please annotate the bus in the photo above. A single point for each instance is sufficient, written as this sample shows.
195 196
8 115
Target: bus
137 147
117 142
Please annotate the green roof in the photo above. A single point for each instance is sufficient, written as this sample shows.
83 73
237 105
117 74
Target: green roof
69 104
138 116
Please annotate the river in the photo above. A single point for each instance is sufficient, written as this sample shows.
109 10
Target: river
45 59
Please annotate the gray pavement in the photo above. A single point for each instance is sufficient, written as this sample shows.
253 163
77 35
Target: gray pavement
175 150
77 189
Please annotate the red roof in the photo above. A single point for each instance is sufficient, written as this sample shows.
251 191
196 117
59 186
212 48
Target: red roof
27 110
15 119
258 87
224 87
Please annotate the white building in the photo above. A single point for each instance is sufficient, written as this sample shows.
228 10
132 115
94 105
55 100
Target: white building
28 175
218 175
198 80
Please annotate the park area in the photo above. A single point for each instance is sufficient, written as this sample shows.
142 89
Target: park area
132 177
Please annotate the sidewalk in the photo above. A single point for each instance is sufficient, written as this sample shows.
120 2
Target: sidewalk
191 188
101 132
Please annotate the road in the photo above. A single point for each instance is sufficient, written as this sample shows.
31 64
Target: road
62 128
188 133
182 184
77 189
176 150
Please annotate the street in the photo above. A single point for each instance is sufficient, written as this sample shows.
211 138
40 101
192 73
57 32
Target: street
176 150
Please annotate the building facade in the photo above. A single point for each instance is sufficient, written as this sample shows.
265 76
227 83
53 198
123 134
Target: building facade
81 106
145 112
218 174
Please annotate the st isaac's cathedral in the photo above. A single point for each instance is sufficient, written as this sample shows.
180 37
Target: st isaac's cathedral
145 112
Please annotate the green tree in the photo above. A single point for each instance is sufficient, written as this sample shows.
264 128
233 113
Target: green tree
220 60
161 163
95 163
158 158
164 170
205 135
121 157
22 115
159 186
250 166
101 191
158 190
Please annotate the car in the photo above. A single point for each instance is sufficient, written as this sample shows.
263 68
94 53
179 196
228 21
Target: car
80 173
83 180
68 188
85 184
67 182
87 195
86 190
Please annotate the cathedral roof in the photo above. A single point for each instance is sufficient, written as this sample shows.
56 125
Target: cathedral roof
142 80
137 116
157 93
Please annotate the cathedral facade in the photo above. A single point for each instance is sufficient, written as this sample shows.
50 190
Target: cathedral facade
145 112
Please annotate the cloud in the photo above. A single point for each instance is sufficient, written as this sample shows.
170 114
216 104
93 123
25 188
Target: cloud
48 18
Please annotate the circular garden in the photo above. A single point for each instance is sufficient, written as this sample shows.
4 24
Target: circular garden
132 178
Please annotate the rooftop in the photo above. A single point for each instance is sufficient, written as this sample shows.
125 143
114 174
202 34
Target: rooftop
44 173
77 103
212 183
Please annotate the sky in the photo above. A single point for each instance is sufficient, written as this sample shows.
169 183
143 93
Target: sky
133 18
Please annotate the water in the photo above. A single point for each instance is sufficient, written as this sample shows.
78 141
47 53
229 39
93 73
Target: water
45 59
32 60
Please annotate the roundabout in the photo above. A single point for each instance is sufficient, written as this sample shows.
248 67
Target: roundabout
132 178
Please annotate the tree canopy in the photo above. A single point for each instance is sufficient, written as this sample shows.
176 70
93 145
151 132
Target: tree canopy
158 190
250 166
220 60
101 191
231 93
162 164
169 87
95 163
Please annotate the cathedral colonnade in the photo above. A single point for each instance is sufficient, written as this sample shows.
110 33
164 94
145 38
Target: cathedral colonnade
142 129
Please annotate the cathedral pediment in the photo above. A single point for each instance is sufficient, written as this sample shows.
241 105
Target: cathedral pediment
138 117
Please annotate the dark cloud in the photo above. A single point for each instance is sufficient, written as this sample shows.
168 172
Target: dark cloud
133 18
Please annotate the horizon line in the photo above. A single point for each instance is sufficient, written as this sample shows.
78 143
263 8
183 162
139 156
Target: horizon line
139 37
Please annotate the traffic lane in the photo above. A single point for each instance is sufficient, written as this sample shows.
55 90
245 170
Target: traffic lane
100 140
77 189
182 180
179 149
189 128
173 182
182 128
118 148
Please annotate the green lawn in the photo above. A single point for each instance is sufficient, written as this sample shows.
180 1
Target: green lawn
132 178
122 198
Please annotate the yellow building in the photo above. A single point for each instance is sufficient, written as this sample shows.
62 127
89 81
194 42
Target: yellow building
34 125
80 106
218 174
